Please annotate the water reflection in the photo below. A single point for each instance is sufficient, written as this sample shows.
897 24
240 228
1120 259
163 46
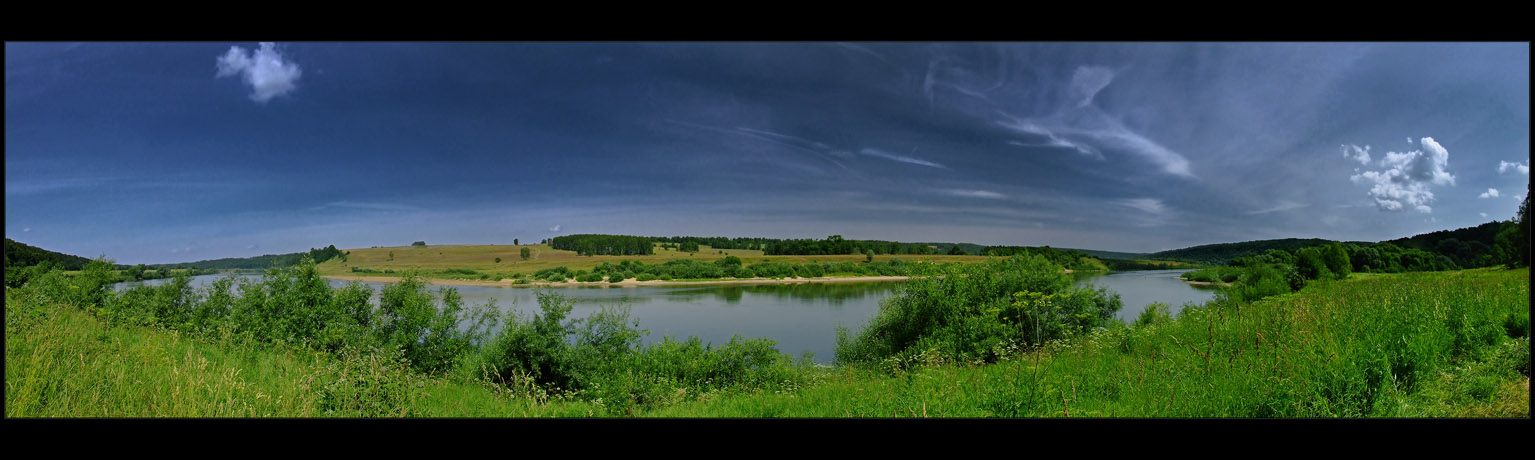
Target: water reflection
1140 288
800 317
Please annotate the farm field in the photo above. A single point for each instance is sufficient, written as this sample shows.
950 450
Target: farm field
433 261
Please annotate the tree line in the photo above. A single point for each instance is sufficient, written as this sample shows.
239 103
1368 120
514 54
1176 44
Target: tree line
608 245
264 261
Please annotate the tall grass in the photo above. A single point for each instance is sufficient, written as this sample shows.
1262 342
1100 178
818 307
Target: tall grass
1420 344
1410 345
360 360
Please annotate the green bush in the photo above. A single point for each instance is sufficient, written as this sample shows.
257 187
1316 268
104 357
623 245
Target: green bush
969 312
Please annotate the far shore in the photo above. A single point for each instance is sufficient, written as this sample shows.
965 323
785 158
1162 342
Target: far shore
631 282
1206 283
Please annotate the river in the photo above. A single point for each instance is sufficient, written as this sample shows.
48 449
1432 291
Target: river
801 318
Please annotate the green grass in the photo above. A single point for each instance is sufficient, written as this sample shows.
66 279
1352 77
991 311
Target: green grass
1410 345
1442 344
65 362
471 261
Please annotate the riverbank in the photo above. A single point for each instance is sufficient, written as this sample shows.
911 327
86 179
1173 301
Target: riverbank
631 282
1205 283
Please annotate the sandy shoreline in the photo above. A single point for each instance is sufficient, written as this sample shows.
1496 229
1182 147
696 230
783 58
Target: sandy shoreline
631 282
1205 283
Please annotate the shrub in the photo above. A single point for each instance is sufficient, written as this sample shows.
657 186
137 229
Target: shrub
970 311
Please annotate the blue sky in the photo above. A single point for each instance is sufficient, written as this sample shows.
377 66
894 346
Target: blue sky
170 152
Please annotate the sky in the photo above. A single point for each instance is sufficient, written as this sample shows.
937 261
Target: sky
174 152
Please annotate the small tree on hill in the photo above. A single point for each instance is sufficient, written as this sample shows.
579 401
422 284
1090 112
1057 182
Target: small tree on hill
418 243
514 242
526 253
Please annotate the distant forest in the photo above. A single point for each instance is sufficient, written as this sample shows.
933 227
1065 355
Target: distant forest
1485 245
606 245
23 255
265 261
1220 254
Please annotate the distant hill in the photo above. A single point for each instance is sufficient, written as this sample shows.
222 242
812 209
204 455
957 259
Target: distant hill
1466 247
1224 252
1110 254
261 262
23 255
1463 246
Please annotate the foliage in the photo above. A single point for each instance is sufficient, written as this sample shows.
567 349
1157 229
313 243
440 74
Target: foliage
971 312
1069 258
587 245
1225 252
263 262
21 255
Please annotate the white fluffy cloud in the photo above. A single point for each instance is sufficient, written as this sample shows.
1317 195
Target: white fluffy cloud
1407 177
264 69
555 228
1521 168
1490 193
1354 152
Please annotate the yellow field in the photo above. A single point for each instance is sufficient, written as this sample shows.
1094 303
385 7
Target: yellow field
482 258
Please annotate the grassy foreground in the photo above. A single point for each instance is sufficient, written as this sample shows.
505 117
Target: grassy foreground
1446 344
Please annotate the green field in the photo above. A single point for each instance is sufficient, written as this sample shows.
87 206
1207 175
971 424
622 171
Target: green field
1440 344
434 260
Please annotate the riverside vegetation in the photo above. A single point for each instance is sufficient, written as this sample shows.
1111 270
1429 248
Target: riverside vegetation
1005 337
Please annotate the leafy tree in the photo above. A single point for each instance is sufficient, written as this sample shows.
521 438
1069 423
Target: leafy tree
391 256
1311 263
418 243
956 251
136 273
498 260
1337 261
727 261
868 256
514 242
1514 236
526 253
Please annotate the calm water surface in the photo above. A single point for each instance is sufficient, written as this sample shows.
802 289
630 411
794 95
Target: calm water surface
799 317
1140 288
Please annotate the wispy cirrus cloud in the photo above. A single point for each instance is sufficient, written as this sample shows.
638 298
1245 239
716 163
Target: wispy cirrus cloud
1149 205
877 153
1154 212
973 194
1282 206
368 206
264 69
1081 125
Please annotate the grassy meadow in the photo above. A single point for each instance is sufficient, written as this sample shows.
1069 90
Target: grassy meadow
1436 344
436 261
